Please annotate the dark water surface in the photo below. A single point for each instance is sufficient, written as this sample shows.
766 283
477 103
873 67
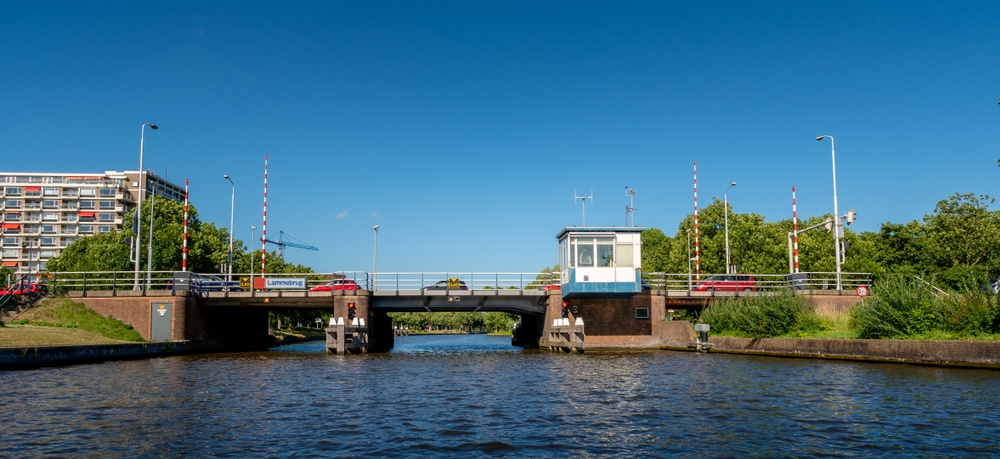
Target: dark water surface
474 396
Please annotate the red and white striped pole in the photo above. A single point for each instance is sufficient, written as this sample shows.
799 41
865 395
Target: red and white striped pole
184 250
697 248
795 232
263 230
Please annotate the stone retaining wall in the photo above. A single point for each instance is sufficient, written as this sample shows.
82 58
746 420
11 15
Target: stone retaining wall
949 353
27 357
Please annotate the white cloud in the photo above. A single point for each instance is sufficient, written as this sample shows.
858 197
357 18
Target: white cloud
342 215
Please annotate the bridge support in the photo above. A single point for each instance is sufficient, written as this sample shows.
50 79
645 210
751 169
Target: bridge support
565 337
342 339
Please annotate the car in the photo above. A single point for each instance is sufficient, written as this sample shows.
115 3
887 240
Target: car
25 289
553 287
727 283
336 284
443 285
209 283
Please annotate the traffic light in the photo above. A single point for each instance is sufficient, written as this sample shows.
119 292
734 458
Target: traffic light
351 311
565 309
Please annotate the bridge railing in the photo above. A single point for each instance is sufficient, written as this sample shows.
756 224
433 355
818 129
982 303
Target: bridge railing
761 282
470 280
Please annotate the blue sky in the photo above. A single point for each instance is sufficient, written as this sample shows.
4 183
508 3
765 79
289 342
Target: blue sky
463 129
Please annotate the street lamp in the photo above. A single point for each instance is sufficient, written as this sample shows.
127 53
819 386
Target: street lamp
375 252
252 230
725 200
837 225
138 208
232 212
689 257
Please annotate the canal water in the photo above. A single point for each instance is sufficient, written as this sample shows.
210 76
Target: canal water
476 396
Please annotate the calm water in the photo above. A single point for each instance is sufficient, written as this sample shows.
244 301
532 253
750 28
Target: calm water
473 396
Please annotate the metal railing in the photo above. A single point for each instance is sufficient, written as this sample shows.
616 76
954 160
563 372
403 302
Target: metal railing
470 280
812 281
121 281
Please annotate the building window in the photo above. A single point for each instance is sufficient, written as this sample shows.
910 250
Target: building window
641 313
105 217
88 192
107 205
107 192
47 253
12 217
605 251
87 219
50 204
50 216
105 228
86 229
10 253
69 229
48 242
50 191
13 191
11 240
87 203
625 257
12 203
71 192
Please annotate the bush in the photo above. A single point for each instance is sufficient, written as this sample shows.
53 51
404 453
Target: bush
759 317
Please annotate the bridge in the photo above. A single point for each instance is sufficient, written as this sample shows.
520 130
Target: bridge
224 312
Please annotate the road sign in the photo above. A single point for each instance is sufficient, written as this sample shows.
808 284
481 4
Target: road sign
453 283
862 291
245 283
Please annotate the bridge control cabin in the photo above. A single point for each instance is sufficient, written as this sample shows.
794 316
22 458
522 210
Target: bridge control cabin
600 261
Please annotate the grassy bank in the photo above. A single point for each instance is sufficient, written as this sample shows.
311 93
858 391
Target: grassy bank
63 322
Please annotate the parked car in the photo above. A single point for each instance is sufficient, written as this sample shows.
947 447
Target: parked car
727 283
336 284
25 289
209 283
443 285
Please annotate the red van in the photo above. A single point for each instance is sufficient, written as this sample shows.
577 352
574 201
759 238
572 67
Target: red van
727 283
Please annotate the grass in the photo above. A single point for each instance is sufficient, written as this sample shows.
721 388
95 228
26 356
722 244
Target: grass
63 322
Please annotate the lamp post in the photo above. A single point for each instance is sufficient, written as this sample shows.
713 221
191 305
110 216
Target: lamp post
837 225
725 200
149 246
252 230
689 258
138 207
232 212
375 255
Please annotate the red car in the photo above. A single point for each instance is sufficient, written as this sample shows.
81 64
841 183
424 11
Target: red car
337 284
25 289
727 283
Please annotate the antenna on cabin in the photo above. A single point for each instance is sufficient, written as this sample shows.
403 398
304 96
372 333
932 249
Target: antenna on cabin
630 208
584 199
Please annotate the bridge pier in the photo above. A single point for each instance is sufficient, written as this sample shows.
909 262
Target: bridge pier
346 338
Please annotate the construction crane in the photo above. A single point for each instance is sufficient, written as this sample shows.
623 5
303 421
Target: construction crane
282 244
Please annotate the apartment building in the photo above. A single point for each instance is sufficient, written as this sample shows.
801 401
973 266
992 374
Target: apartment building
42 213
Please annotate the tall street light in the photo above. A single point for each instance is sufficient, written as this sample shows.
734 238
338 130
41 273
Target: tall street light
375 255
689 258
725 200
253 229
232 212
138 207
837 225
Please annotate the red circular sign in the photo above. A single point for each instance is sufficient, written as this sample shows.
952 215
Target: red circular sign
862 291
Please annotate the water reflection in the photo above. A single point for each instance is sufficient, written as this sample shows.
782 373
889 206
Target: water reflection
445 396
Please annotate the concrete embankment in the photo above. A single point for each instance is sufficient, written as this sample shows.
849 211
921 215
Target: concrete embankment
983 354
29 357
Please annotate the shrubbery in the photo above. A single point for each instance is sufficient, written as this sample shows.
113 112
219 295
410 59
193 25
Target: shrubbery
903 307
762 317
